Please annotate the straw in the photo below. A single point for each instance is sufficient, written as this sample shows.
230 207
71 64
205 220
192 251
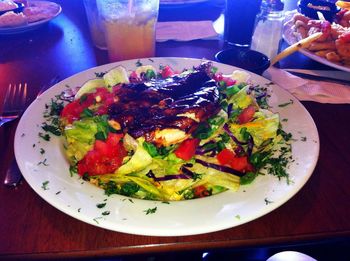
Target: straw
130 5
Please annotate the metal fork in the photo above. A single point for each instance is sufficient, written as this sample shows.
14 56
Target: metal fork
13 174
14 104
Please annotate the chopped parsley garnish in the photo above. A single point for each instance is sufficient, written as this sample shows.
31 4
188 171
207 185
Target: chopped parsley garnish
150 210
232 90
101 205
157 152
101 135
197 176
100 74
87 113
96 220
138 63
285 136
73 170
267 201
44 185
129 188
213 70
43 163
44 136
206 129
248 178
106 213
51 128
286 104
151 149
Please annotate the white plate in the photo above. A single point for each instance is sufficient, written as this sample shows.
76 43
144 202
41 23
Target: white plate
78 199
290 39
33 25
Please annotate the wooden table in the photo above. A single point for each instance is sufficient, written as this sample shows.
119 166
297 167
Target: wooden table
31 228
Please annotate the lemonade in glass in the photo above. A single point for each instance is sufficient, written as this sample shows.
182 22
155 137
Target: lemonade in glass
129 27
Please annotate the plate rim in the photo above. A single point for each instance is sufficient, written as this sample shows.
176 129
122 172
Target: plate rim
156 232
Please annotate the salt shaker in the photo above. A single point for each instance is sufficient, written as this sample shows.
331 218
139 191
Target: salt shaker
268 28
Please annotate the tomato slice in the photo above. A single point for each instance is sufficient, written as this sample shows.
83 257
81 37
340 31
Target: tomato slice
106 157
246 115
200 192
72 111
187 149
228 157
239 163
167 72
225 156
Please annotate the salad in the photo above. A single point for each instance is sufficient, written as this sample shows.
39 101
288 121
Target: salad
158 134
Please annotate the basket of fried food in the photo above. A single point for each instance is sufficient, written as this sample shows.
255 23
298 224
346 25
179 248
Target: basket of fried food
334 42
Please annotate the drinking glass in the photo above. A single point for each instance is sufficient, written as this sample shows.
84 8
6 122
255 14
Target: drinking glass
95 26
129 27
239 21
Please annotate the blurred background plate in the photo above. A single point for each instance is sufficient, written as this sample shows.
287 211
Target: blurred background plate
289 37
54 12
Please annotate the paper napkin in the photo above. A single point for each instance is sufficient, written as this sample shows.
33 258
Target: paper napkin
309 90
185 30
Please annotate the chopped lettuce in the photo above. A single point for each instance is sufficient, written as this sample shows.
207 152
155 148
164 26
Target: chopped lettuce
140 160
261 129
241 99
80 137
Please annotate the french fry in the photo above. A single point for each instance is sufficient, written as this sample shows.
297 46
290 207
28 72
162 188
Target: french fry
303 43
343 4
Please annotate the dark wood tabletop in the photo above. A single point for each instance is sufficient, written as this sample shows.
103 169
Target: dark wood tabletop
31 228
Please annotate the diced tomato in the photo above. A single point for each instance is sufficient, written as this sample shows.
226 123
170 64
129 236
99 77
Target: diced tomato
200 192
228 157
113 139
167 72
239 163
218 77
228 80
72 111
101 98
107 99
246 115
187 149
225 156
106 157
